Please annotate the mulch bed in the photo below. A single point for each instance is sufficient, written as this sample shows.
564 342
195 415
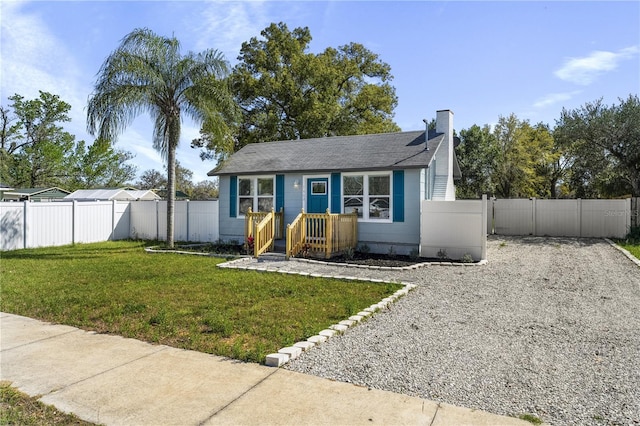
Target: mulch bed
373 259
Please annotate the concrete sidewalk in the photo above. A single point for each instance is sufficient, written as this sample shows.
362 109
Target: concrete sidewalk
116 381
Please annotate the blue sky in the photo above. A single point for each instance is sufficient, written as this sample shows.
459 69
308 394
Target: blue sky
480 59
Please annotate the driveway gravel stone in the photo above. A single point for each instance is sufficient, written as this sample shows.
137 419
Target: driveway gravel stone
549 327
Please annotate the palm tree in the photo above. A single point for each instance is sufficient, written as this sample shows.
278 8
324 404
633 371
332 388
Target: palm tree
147 73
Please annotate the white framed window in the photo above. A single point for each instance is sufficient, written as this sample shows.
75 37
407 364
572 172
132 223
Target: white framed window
368 194
318 187
256 193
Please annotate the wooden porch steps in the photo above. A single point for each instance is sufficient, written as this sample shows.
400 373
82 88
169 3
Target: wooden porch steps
280 246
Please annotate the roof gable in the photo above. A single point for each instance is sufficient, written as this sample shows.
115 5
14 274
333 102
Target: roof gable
99 194
383 151
38 191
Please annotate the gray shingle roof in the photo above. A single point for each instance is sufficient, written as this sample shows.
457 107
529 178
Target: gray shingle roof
384 151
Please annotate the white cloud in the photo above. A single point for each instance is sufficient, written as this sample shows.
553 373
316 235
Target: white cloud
585 70
145 156
226 25
34 59
554 98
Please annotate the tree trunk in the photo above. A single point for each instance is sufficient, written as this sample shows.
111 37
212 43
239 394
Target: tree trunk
171 191
635 185
553 193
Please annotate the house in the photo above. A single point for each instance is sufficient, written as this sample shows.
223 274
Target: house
34 194
126 194
382 178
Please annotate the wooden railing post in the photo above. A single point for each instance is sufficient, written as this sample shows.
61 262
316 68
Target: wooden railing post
273 229
328 234
303 228
256 239
248 228
287 243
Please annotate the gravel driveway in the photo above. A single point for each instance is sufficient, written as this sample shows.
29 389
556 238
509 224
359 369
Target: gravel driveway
549 327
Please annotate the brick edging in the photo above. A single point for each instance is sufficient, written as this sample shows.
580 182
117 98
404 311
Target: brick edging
289 353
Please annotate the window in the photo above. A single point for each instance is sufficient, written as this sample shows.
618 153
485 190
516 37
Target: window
255 193
318 188
367 194
353 192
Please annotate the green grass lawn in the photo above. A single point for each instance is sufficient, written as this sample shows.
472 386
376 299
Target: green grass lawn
634 249
16 408
177 300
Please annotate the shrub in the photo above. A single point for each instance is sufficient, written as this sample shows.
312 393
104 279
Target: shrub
467 258
364 249
442 254
349 253
633 237
249 245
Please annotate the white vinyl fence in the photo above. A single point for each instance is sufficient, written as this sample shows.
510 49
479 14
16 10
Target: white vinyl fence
559 218
194 221
27 224
455 228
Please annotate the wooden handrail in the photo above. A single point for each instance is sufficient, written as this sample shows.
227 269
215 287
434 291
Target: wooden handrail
322 234
295 236
263 234
253 217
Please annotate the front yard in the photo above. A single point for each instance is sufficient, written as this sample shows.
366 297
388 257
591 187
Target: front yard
177 300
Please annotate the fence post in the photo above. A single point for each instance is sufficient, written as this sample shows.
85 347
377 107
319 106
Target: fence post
628 215
74 205
533 216
489 221
483 231
158 220
579 201
112 237
188 236
25 219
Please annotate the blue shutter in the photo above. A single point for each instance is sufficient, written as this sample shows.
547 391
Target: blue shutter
233 196
336 202
279 192
398 195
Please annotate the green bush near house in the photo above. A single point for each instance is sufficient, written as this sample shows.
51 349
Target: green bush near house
178 300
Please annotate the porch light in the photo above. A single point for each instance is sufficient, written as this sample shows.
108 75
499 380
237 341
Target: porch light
296 184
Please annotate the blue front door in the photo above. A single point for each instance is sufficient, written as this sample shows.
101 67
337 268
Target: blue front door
317 195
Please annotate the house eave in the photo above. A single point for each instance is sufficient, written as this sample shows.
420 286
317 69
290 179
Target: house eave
316 171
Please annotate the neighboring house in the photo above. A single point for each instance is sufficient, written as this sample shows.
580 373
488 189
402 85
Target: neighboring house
382 177
4 188
34 194
111 194
180 195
